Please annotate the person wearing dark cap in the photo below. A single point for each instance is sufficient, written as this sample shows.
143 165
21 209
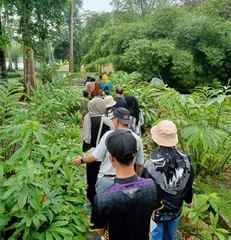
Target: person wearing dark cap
171 170
87 80
120 101
107 172
124 210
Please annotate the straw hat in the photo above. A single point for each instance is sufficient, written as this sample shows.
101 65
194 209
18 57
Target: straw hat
109 101
165 133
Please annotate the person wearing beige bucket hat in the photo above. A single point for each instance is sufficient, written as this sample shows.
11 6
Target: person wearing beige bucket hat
165 134
110 106
172 171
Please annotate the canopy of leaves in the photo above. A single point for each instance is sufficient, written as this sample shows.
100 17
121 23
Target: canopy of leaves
184 46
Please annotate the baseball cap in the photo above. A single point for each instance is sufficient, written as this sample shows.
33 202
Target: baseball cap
123 115
165 133
121 144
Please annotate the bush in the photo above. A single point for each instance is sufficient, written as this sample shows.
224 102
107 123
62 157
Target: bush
41 192
15 74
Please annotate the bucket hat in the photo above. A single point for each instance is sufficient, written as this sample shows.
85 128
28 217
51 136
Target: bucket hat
165 133
109 101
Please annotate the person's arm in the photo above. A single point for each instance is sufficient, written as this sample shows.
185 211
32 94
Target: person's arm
99 231
97 154
189 197
97 223
83 159
139 158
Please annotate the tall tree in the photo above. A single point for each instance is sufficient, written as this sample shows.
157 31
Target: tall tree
71 32
140 7
3 72
8 23
62 35
37 18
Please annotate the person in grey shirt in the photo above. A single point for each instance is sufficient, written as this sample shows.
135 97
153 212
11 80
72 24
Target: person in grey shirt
107 172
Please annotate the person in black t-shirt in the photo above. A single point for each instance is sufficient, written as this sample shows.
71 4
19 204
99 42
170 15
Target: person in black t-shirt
124 210
120 101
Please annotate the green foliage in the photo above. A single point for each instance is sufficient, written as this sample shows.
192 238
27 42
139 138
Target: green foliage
46 73
210 184
42 193
202 205
159 58
214 229
185 47
14 74
133 85
16 52
198 211
202 118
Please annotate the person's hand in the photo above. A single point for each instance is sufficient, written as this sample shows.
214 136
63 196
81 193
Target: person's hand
77 161
190 205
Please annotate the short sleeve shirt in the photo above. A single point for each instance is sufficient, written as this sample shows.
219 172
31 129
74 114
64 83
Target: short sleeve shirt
120 102
101 154
124 210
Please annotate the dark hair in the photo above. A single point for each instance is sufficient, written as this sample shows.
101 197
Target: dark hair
133 107
92 79
85 93
108 109
119 90
100 76
106 92
122 145
128 159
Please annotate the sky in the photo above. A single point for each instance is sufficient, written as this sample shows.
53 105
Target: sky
97 5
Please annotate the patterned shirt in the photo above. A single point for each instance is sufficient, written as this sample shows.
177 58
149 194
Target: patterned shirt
124 210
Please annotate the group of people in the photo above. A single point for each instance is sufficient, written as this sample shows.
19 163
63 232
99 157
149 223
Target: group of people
132 198
129 102
99 87
94 88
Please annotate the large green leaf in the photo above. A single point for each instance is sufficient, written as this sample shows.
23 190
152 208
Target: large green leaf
23 195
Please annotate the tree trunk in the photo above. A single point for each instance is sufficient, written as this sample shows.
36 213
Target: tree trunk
28 57
49 54
29 71
9 32
142 8
71 31
16 65
10 65
3 72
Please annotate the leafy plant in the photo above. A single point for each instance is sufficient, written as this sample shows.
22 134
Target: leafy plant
47 72
42 193
204 206
202 121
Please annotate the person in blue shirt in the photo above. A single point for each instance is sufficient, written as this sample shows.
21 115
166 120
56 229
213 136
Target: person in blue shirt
105 84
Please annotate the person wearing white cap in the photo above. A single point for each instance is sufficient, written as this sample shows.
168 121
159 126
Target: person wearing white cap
172 171
110 106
